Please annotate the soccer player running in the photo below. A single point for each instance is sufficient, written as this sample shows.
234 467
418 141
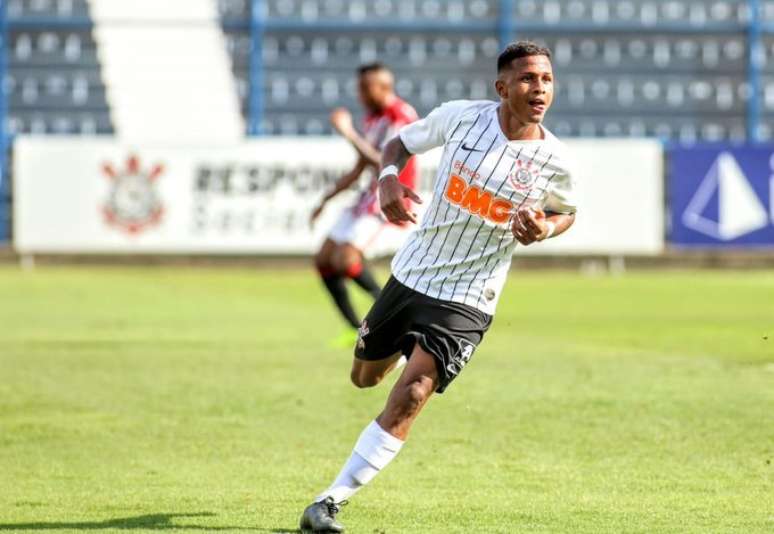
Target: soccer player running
503 179
342 254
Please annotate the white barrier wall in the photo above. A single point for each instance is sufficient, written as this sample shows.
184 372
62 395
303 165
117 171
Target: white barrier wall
621 184
99 196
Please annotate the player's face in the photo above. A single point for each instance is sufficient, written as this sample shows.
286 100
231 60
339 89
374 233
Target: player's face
371 90
527 88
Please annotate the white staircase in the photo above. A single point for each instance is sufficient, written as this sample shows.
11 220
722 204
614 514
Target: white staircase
167 72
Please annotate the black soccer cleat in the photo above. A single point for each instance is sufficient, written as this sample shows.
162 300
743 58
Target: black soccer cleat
321 517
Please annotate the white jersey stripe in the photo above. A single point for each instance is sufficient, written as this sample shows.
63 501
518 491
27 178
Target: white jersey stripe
478 230
462 232
439 194
508 237
486 247
424 226
439 265
436 199
467 254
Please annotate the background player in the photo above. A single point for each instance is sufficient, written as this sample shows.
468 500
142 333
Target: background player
499 169
342 254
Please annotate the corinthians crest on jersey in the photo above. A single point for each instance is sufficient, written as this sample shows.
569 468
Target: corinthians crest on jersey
133 203
525 175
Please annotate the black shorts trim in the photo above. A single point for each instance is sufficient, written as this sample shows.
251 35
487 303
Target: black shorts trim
402 317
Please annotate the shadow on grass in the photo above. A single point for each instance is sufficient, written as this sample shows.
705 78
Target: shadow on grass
150 521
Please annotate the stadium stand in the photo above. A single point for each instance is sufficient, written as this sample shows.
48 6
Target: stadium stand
676 69
53 83
50 77
679 70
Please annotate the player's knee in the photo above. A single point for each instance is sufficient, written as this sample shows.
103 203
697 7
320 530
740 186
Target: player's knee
415 393
362 380
345 258
342 262
351 256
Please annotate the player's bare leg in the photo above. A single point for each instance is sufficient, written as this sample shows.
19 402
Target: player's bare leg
334 281
379 443
409 394
344 256
366 374
324 256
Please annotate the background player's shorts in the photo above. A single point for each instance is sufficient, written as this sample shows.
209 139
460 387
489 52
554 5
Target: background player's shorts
402 317
362 230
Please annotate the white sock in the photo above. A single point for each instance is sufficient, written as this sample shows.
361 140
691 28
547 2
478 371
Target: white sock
375 448
401 362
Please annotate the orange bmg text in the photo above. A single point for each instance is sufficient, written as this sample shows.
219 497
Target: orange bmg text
477 201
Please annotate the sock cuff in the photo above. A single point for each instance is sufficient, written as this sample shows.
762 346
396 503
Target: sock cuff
354 270
377 446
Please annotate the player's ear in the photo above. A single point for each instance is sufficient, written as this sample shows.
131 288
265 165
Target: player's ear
501 87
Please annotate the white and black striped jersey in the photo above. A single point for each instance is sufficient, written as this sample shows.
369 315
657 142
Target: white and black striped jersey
461 251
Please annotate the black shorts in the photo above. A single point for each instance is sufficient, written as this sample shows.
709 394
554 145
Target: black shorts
402 317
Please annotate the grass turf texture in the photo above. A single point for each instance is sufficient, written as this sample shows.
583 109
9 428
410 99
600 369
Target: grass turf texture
195 400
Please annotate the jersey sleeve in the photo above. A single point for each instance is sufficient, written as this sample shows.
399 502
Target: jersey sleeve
562 194
433 130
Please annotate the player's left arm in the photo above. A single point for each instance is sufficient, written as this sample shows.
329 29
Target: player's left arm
561 202
341 120
530 226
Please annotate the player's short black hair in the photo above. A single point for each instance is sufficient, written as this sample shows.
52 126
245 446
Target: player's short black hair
520 49
371 67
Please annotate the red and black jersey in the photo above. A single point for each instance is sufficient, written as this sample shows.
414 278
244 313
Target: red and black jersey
378 129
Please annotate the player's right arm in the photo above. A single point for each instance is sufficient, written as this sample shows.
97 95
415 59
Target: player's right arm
415 138
342 184
391 191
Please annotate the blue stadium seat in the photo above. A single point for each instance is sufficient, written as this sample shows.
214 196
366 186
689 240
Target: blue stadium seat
388 10
59 122
678 68
294 50
697 78
31 9
55 88
45 48
53 81
675 51
641 12
233 9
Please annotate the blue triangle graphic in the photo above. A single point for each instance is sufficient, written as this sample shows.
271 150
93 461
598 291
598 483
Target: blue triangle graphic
711 210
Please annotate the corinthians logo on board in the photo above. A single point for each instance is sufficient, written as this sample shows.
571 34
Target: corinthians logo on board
133 204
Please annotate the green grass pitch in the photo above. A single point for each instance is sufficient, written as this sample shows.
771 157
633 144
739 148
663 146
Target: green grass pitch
194 400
